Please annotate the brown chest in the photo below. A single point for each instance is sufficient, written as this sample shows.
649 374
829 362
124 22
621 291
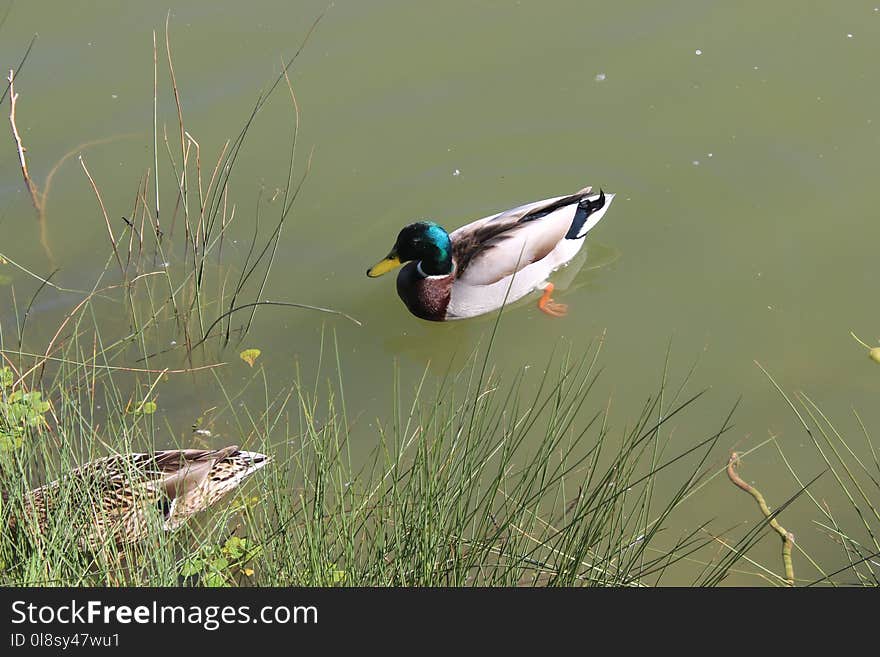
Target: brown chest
426 298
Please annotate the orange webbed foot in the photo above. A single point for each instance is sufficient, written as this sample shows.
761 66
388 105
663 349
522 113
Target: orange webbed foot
547 305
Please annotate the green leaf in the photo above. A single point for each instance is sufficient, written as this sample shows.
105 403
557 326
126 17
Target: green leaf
220 563
145 408
192 566
216 579
235 547
9 441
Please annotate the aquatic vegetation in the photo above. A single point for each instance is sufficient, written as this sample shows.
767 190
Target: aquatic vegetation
19 411
787 537
848 514
220 565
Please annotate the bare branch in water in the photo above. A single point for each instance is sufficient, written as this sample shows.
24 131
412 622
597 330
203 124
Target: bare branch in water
31 187
39 202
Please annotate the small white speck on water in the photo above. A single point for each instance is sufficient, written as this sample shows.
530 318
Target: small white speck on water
849 35
456 173
698 52
114 96
600 77
173 343
696 163
754 68
709 154
769 307
166 264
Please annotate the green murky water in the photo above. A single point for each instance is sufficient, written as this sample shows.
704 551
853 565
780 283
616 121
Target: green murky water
741 139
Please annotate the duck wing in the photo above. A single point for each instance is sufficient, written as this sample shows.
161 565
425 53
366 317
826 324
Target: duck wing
490 249
184 470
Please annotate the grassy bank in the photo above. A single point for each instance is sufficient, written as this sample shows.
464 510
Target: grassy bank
454 493
480 478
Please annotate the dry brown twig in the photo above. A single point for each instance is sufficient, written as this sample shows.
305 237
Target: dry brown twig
38 197
13 97
39 202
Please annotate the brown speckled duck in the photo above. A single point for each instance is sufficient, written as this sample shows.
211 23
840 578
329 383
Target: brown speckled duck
492 261
129 493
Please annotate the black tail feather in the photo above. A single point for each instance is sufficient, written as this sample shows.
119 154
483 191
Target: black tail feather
585 208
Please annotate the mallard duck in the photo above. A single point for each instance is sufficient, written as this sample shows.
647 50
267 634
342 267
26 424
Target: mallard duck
492 261
129 493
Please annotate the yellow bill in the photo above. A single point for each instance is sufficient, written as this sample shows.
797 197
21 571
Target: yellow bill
384 266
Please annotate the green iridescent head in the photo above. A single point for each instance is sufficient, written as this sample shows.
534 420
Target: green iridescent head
424 242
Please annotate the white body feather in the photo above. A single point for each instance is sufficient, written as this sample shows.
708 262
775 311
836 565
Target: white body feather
479 290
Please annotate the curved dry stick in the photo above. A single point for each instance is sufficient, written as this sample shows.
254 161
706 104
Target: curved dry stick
787 537
44 232
76 151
